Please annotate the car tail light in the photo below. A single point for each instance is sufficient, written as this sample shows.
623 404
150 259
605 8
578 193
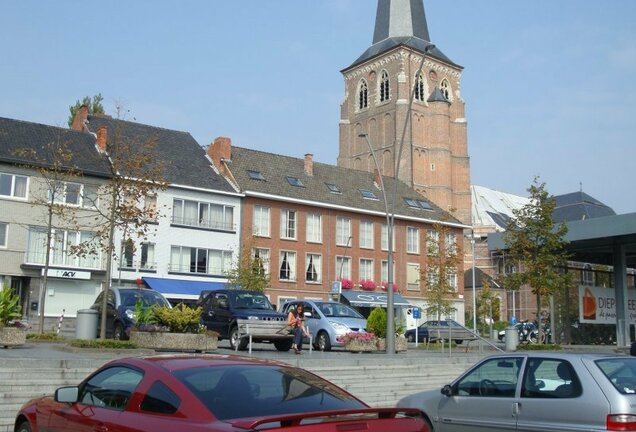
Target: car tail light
621 422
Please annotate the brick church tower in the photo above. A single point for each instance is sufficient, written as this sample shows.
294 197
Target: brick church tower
403 76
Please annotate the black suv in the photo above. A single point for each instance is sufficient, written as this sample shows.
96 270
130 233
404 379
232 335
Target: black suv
120 310
222 308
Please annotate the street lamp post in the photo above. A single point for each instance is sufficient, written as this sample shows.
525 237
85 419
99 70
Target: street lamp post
390 315
472 243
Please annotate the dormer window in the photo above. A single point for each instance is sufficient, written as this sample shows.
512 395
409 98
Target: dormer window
333 188
385 87
424 205
419 87
363 95
295 181
368 194
255 175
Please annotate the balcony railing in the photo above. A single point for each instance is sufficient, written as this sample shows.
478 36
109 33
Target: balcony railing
212 225
64 260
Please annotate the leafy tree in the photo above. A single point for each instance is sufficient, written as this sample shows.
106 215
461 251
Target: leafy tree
136 176
443 260
249 271
533 240
94 105
55 167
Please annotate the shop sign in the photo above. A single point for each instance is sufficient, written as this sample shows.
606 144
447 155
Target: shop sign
69 274
597 305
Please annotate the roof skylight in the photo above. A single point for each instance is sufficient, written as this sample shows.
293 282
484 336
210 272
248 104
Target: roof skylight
255 175
333 188
368 194
295 181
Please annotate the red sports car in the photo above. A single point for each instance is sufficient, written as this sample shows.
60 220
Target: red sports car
208 393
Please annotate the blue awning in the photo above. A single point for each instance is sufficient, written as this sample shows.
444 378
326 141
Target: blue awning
182 289
372 299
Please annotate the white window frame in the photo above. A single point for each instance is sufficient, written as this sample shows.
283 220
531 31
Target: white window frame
366 234
291 256
61 243
384 271
343 231
316 260
314 228
184 265
450 244
432 242
452 280
204 214
264 255
261 221
385 237
288 224
412 240
412 277
365 270
343 267
13 186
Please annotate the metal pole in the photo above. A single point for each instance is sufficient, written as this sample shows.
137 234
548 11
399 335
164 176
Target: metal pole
472 242
390 324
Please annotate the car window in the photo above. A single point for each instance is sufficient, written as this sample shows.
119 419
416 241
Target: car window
110 388
251 300
550 378
254 391
220 301
148 298
160 399
620 372
496 377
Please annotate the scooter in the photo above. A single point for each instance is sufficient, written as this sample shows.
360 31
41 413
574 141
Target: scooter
528 333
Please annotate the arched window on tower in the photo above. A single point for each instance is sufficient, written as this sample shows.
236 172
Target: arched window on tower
419 87
385 87
445 89
363 95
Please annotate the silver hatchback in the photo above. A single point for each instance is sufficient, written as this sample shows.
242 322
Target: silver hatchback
328 320
536 392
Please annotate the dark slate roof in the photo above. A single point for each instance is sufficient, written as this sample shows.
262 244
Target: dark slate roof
187 163
438 96
276 168
21 135
579 206
401 23
480 277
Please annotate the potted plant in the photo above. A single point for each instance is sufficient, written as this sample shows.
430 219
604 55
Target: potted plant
346 283
11 334
376 323
386 284
174 329
359 342
367 285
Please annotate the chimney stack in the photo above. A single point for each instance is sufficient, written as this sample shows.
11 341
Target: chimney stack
376 177
80 119
102 138
220 151
309 164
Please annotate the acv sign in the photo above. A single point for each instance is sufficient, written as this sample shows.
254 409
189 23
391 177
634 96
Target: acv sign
69 274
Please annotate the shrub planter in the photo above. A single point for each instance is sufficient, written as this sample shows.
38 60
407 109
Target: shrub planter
12 336
400 344
175 341
357 345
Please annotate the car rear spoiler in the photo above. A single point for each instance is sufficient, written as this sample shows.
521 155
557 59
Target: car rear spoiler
354 415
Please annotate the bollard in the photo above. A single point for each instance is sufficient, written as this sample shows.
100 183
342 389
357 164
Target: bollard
512 338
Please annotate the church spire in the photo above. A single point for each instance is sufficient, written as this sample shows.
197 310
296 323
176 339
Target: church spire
400 18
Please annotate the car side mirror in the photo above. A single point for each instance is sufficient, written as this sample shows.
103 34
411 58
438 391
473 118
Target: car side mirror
447 390
67 394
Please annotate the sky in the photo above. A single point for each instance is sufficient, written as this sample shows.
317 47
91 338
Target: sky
549 85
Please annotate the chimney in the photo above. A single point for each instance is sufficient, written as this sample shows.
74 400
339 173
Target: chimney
102 138
220 151
309 164
80 119
376 177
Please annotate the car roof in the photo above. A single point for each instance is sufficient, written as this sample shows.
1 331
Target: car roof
560 355
171 362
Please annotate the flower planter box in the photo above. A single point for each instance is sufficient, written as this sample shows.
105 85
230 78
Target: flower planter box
12 336
400 344
175 341
360 346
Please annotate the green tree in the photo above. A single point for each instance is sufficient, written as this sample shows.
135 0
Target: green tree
441 272
533 239
94 105
249 271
